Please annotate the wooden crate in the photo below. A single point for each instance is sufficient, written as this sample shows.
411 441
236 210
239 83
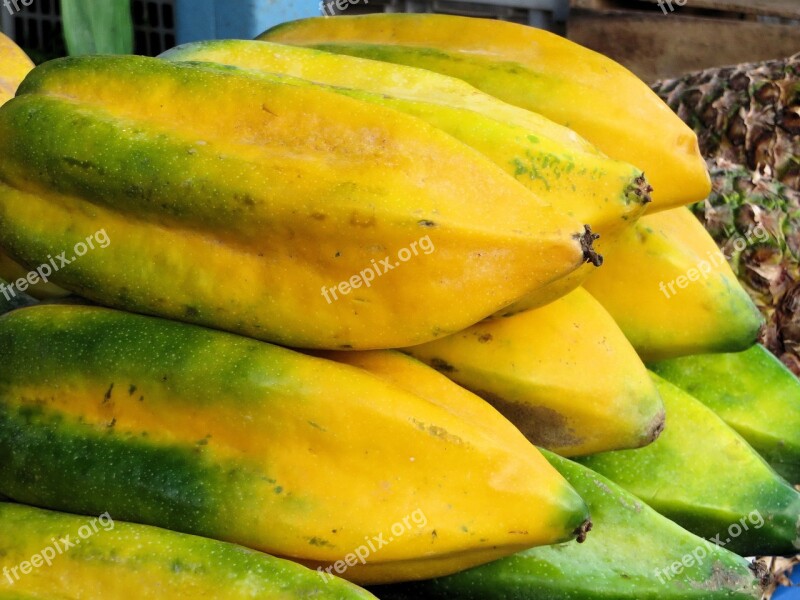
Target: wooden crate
656 42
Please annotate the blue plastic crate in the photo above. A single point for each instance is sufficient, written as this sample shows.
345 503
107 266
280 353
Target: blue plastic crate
235 19
790 593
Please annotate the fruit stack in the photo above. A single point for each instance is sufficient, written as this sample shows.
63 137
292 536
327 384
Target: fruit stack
332 311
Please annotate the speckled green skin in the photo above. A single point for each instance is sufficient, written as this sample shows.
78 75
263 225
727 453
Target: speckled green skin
629 546
704 476
156 563
754 393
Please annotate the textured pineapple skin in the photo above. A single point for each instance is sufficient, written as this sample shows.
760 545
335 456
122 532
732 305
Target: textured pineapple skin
748 114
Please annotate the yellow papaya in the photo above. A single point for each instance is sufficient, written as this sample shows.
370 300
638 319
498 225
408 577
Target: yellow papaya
672 292
204 432
14 66
551 160
536 70
265 205
564 374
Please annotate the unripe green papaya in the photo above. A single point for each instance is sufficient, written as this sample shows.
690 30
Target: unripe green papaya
701 474
754 393
266 205
204 432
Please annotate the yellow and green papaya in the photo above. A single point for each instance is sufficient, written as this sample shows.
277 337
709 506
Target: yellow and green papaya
208 433
551 160
46 555
671 291
14 66
564 374
265 205
630 555
704 476
754 393
536 70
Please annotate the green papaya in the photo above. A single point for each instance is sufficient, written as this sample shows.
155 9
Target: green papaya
212 434
754 393
704 476
46 555
632 553
265 205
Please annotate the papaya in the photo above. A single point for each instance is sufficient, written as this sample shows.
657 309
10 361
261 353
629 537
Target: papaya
208 433
633 553
545 157
704 476
14 66
671 290
313 210
533 69
46 555
754 393
564 374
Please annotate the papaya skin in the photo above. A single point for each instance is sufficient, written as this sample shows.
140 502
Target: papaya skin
548 159
704 476
14 66
536 70
207 433
217 186
754 393
627 556
120 559
671 291
564 374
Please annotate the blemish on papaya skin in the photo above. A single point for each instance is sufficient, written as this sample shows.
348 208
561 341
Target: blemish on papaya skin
438 432
426 223
442 366
108 393
315 541
131 390
486 337
541 425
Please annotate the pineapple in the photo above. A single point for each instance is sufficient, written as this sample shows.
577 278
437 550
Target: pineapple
748 114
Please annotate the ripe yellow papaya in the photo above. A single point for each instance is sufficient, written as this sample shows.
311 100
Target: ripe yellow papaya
46 555
671 290
551 160
536 70
266 206
208 433
564 374
14 66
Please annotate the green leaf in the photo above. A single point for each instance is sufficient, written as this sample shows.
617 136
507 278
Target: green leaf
97 26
